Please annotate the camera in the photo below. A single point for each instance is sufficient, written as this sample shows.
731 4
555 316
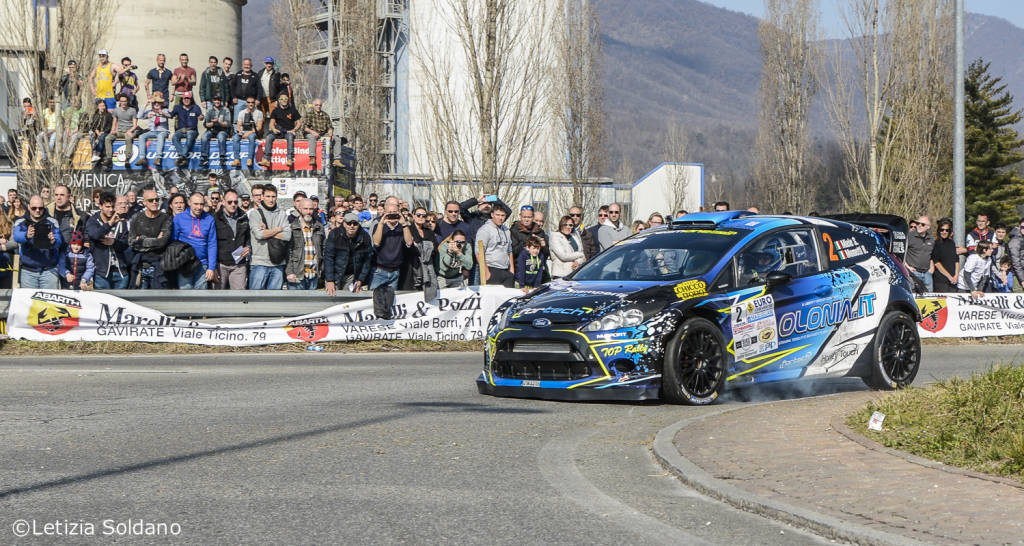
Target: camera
392 216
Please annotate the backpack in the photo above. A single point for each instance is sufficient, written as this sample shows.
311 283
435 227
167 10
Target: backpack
179 256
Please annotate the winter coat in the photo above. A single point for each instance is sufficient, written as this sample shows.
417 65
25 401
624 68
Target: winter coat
529 270
520 235
81 265
589 240
67 226
200 233
208 90
340 250
227 240
562 253
297 253
609 234
1016 249
33 258
95 230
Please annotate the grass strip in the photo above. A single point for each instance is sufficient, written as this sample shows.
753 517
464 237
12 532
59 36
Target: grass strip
975 423
11 347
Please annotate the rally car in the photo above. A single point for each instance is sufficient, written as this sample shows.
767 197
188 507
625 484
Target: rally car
714 300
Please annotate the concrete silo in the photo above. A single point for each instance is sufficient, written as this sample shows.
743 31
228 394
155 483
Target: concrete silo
141 29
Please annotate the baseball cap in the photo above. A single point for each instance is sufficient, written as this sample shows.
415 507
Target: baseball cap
268 60
365 215
246 197
351 217
314 197
103 52
71 62
186 95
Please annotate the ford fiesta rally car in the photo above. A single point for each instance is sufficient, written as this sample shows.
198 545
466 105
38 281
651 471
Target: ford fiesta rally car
713 300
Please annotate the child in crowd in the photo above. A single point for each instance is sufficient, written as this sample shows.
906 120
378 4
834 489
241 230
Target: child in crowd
1002 276
530 266
76 268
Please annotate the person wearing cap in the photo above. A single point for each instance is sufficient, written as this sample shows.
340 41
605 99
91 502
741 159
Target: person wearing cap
232 225
159 128
245 202
269 81
285 122
217 122
76 267
348 257
71 83
183 78
103 78
186 115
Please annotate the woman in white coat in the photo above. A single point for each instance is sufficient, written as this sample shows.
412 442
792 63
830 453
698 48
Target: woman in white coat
566 249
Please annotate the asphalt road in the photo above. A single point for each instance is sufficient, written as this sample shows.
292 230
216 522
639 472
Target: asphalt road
315 448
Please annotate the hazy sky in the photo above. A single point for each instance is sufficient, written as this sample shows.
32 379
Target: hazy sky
1012 10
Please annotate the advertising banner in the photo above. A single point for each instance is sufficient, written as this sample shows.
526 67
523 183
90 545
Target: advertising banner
960 315
68 315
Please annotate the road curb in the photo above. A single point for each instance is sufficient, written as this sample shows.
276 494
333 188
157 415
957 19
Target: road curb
838 423
669 456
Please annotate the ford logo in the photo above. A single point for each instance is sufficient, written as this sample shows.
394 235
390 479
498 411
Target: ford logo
541 323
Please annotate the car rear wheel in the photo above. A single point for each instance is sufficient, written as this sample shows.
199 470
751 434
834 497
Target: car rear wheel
897 353
695 364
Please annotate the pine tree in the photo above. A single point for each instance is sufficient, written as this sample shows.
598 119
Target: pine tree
992 145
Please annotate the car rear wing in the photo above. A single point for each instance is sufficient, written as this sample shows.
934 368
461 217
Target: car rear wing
892 228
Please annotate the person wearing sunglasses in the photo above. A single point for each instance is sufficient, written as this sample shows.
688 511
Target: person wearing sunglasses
38 235
348 256
602 217
918 258
566 247
525 228
586 236
613 229
451 221
148 235
233 248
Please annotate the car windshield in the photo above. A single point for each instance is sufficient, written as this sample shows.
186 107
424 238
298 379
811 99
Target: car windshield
664 255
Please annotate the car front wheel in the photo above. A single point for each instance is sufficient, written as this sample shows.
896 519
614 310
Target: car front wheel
695 364
897 353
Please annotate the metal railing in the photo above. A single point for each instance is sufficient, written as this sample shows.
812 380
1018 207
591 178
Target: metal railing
205 304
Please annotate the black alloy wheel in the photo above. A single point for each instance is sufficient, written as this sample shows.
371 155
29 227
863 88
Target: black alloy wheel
695 364
897 353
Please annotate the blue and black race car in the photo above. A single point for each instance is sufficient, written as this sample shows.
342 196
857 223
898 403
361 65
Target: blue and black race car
713 300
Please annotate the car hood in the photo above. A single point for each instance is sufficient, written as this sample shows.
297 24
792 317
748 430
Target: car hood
571 302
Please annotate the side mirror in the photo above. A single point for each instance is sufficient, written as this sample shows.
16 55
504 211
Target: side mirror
777 278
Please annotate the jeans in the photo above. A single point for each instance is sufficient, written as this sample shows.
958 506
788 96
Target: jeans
46 278
222 143
190 139
269 146
237 140
161 137
114 281
266 277
237 109
97 142
193 281
71 139
46 142
151 276
305 283
926 279
383 284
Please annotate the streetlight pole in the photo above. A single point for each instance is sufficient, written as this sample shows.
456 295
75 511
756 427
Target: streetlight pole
959 210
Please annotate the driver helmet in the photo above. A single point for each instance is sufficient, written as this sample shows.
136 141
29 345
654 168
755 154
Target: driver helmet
769 257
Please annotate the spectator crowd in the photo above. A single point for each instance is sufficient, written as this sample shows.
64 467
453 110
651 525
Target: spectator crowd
179 105
231 240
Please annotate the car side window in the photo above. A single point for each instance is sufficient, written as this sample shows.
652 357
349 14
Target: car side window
792 251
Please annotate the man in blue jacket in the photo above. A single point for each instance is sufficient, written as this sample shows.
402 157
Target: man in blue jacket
38 236
187 115
197 228
107 232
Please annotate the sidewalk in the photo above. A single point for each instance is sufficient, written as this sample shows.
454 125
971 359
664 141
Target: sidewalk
797 461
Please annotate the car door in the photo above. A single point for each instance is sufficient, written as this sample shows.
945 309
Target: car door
776 330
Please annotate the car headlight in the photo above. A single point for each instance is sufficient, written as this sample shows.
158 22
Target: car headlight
499 320
621 318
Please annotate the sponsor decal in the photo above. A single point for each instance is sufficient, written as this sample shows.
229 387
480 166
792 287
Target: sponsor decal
541 323
753 327
308 329
838 355
934 313
553 311
827 314
843 249
53 314
688 290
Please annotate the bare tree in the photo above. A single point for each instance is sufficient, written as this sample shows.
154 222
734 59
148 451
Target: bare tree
676 143
38 53
501 50
295 33
578 95
791 57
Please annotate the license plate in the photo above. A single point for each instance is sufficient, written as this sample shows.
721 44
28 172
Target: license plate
531 383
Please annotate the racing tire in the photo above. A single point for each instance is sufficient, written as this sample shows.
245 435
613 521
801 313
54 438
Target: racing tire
695 364
896 354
